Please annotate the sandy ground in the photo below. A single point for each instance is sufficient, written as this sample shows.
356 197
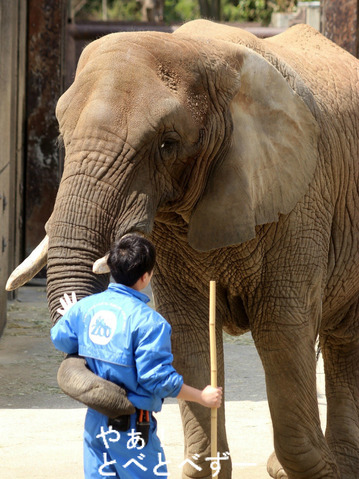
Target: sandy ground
41 428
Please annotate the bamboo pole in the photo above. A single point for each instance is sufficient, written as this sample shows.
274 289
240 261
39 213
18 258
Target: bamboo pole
213 358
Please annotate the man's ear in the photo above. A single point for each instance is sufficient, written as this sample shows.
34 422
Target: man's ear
146 277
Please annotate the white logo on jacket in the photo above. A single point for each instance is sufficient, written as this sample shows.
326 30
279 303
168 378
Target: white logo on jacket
102 327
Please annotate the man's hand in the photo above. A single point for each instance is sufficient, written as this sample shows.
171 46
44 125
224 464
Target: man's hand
67 303
211 397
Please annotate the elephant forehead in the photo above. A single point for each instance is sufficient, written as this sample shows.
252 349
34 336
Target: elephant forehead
135 56
131 82
137 48
132 105
138 106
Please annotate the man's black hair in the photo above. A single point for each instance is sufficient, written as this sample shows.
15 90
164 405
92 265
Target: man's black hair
130 258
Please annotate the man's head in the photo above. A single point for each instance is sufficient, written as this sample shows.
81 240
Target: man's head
130 258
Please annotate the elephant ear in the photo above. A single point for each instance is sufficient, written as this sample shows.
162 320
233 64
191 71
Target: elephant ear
268 165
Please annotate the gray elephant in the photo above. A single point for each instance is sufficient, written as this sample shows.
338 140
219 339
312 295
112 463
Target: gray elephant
239 158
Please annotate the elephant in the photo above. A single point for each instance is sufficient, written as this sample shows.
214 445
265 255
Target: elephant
238 157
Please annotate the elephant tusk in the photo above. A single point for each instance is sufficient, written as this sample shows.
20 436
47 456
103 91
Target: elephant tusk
29 267
100 266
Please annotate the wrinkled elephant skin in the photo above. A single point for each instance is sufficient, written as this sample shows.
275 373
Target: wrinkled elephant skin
239 158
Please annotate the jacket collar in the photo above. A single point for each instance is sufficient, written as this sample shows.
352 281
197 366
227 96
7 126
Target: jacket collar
121 288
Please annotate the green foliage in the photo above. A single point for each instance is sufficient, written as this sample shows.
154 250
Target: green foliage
179 11
116 10
124 11
283 5
246 11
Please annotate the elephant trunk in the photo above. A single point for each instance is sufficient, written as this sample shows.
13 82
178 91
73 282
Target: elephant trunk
88 215
74 245
80 231
70 270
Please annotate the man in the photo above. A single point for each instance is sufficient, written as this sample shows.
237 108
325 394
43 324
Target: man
128 343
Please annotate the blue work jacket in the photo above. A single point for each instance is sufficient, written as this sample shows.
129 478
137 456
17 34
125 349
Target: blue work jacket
124 341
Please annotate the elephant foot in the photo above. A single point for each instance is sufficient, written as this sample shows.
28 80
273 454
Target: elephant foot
274 468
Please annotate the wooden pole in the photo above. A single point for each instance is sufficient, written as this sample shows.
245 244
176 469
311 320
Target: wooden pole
213 357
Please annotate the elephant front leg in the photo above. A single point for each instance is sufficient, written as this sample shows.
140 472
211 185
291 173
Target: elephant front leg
187 311
182 297
196 419
288 357
198 462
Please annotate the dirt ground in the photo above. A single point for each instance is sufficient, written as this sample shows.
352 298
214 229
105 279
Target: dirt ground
41 428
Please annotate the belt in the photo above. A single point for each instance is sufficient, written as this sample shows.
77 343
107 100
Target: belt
123 423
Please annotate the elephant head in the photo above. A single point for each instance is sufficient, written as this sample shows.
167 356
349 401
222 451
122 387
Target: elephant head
157 124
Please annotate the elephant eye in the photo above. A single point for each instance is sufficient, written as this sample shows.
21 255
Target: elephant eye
169 147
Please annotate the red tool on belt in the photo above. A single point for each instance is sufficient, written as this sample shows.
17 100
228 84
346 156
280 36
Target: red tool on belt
143 424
